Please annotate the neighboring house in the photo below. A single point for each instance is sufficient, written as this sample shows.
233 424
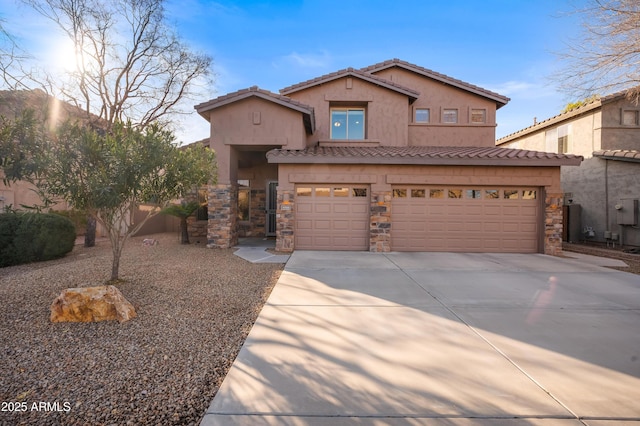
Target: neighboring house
601 196
392 157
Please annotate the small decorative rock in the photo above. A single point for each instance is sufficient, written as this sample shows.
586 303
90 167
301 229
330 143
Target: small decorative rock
91 304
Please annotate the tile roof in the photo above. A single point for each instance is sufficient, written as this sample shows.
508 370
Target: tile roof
353 73
618 154
500 99
252 91
261 93
427 155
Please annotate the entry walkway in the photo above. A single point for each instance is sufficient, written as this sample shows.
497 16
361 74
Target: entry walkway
254 250
439 339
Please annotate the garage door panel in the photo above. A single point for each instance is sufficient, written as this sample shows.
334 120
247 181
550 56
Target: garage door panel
322 208
502 224
333 219
492 226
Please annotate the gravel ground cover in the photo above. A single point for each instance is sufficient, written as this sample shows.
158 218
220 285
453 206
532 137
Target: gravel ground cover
195 308
632 260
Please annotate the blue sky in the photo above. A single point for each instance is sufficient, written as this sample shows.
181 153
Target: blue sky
508 46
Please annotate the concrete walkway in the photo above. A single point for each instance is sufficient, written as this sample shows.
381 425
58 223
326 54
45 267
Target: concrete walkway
439 339
254 250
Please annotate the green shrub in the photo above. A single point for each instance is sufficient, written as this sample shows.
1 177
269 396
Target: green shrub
78 217
33 237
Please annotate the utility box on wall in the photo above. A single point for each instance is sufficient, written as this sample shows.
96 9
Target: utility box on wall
571 223
627 212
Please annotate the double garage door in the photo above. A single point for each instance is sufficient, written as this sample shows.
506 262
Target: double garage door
423 218
465 219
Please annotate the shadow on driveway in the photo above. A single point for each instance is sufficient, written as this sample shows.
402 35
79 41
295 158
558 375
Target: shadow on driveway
439 338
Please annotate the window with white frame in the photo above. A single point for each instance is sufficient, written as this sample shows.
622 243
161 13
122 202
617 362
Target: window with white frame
450 115
347 123
557 140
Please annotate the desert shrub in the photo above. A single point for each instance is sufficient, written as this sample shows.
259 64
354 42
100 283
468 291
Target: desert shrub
33 237
78 217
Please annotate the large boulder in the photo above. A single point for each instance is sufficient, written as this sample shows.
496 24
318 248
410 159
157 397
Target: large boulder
90 304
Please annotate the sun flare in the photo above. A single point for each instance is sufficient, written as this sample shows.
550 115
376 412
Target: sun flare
63 56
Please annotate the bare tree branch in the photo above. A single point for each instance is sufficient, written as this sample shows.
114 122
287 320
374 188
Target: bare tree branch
606 56
130 64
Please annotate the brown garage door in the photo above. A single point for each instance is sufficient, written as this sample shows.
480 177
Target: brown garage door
465 219
332 217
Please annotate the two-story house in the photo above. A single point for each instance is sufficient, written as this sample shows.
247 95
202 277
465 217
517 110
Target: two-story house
389 157
601 196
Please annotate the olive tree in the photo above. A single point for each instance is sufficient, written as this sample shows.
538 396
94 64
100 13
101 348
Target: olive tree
130 64
109 173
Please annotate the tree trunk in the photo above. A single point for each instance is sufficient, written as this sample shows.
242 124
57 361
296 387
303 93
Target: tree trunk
184 231
90 234
117 246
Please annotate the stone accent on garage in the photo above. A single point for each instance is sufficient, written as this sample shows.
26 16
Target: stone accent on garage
222 224
285 220
380 222
553 223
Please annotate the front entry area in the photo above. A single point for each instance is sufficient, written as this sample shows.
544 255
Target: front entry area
332 217
465 219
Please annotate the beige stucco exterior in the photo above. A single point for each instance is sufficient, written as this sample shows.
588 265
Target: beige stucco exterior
262 137
386 111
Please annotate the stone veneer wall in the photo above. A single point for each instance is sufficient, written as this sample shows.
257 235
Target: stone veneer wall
380 222
285 218
197 229
553 223
222 229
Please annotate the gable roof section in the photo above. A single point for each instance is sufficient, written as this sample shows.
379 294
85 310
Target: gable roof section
255 91
590 106
351 72
423 155
497 98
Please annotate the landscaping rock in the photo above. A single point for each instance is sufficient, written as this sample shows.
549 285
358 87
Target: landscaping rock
91 304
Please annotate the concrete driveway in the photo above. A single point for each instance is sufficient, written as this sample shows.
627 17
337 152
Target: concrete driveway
440 339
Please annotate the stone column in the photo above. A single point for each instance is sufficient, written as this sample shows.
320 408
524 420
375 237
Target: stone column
380 222
553 223
285 219
223 216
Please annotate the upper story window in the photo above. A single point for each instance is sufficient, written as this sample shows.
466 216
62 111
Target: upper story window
347 123
557 140
630 117
450 115
478 116
422 115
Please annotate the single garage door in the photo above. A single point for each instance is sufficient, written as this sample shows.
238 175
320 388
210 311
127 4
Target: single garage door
332 217
465 219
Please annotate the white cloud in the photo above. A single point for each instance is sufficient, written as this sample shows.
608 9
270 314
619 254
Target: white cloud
307 60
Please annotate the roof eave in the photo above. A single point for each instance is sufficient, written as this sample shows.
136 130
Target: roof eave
500 100
411 94
511 162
